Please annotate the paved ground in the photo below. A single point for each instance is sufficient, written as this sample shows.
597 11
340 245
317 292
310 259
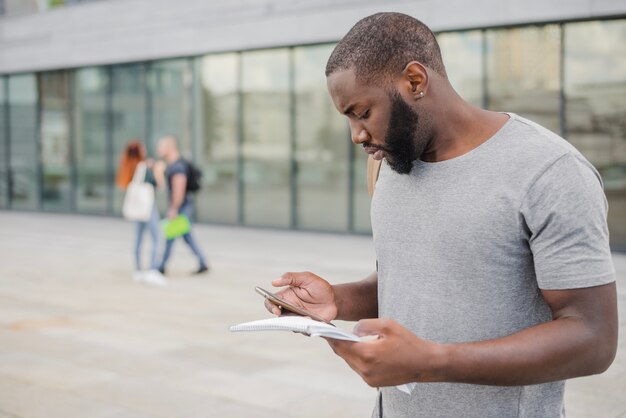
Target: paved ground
79 339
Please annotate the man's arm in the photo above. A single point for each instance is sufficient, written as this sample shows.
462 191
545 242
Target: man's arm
179 187
357 300
349 301
580 340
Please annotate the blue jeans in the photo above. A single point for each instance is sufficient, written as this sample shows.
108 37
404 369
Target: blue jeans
187 210
153 226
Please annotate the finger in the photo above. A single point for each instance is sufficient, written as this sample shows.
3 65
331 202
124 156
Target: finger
340 347
370 327
291 279
272 308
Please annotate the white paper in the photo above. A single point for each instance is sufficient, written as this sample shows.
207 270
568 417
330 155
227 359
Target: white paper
310 327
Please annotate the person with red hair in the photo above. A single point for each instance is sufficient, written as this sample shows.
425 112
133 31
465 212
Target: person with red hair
133 158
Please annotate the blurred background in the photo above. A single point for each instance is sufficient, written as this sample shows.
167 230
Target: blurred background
242 84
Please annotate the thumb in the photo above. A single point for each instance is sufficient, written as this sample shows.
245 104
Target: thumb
370 327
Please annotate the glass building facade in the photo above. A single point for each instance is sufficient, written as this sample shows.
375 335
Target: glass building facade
273 150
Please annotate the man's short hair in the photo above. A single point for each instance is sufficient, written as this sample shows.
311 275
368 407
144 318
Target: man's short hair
380 46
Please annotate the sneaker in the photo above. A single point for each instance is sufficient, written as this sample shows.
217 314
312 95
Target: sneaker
201 269
138 276
155 277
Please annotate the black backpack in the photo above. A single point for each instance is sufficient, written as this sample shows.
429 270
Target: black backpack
194 177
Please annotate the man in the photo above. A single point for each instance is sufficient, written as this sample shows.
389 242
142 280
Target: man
180 200
495 281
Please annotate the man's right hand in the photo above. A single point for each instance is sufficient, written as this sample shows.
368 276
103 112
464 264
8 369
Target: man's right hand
172 213
307 291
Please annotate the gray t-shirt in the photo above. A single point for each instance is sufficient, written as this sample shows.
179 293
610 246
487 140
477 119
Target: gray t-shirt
464 246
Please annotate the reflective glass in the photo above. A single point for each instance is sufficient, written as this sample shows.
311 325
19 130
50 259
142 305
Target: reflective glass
266 133
170 89
23 176
55 140
463 57
322 146
128 114
523 69
217 121
4 168
90 139
595 94
170 86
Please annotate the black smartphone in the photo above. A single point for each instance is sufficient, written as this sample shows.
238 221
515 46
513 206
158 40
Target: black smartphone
288 306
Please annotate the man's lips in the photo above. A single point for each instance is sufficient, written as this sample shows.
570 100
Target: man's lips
376 152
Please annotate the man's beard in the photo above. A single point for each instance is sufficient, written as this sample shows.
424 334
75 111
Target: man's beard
401 148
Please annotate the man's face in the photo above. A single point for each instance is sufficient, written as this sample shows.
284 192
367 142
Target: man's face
380 120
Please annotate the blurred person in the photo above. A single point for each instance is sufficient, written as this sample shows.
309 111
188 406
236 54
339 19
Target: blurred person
494 280
133 156
180 198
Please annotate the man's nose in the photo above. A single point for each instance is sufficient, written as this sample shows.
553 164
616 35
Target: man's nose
359 134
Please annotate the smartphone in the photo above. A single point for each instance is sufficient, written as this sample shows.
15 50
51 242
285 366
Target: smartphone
288 306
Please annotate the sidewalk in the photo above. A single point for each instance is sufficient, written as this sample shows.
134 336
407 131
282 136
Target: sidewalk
79 339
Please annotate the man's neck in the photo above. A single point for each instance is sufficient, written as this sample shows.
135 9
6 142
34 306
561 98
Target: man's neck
461 128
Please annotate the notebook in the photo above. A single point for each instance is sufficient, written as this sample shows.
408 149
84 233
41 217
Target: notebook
309 327
300 324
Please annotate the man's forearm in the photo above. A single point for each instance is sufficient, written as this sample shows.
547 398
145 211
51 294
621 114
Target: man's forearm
176 202
357 300
571 345
579 341
557 350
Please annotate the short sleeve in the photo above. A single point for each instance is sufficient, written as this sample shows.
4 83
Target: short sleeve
177 168
564 211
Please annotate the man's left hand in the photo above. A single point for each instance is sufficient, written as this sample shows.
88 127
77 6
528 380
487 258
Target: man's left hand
397 356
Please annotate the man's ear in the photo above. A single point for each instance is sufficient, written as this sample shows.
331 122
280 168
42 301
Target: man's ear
416 79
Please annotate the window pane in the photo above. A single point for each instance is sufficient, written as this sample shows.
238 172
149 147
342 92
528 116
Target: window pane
170 85
266 169
595 91
523 67
4 169
90 133
322 146
55 141
129 110
216 150
462 56
23 178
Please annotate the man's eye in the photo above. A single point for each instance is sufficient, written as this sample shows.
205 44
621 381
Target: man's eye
365 114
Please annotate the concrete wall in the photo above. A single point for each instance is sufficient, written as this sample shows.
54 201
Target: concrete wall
115 31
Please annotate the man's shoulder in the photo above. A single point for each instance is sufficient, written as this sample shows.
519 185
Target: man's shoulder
531 138
537 148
